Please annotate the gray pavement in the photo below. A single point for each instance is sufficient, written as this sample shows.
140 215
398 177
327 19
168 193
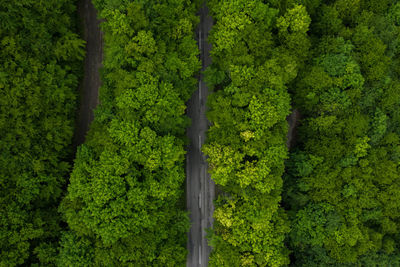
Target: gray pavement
200 191
90 83
293 121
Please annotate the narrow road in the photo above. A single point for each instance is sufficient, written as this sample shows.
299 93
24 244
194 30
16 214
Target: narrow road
293 121
90 84
200 189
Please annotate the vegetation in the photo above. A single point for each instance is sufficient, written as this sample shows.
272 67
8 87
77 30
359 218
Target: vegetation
125 201
40 56
343 183
334 200
247 140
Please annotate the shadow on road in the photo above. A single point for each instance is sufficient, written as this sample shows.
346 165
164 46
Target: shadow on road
200 189
90 83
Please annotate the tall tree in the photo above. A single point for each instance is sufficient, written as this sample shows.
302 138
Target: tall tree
40 61
125 198
251 69
343 182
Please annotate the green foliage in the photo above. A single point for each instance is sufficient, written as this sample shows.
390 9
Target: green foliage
124 205
75 251
40 59
343 182
125 199
246 142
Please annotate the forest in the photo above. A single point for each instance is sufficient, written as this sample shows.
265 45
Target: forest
125 201
330 198
246 146
41 60
342 178
334 199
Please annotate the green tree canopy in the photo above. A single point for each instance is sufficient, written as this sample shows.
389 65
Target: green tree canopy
343 178
125 198
40 56
252 67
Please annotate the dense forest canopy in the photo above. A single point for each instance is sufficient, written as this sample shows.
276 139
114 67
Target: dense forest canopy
343 178
40 56
125 200
333 199
257 50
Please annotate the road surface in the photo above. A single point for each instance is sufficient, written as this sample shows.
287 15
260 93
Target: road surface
293 122
200 189
89 87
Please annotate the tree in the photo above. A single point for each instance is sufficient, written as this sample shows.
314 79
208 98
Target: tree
124 202
343 176
246 143
41 57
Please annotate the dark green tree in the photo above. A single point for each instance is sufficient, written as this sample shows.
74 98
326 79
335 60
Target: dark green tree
40 61
343 178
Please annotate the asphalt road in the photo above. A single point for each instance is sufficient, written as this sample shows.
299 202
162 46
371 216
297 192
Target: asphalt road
90 84
293 121
200 191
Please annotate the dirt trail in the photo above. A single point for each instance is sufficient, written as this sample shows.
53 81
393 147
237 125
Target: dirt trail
90 84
